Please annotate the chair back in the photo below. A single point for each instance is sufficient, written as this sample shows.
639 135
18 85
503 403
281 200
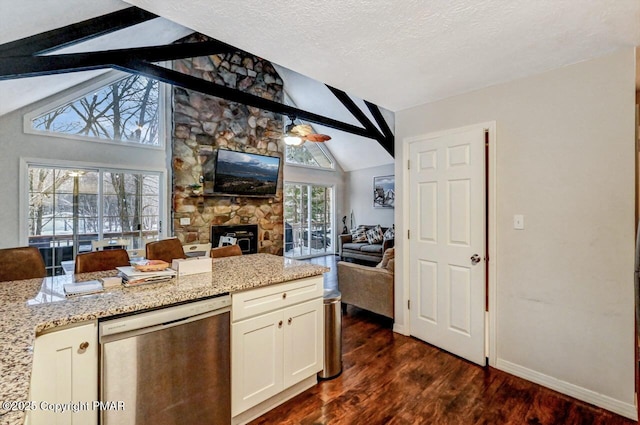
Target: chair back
99 261
226 251
165 250
197 250
21 263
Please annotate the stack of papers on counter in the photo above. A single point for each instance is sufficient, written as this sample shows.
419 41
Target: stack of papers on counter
131 276
82 288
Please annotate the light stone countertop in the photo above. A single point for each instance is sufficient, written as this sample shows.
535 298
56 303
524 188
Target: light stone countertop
29 307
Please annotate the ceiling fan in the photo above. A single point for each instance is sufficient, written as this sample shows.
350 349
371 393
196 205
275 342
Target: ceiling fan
297 134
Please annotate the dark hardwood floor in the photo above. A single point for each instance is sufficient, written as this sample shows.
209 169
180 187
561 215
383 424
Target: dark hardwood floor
388 378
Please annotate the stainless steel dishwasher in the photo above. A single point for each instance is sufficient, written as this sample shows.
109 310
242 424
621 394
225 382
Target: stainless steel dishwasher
168 366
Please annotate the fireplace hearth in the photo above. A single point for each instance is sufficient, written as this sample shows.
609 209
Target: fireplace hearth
246 236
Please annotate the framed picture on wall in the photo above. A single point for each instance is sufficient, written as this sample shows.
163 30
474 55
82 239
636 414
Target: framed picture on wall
384 191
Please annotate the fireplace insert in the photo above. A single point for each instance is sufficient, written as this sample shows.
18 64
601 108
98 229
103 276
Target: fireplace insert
245 235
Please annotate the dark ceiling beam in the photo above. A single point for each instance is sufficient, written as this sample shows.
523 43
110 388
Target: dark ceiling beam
197 84
388 142
75 33
382 123
33 66
386 138
19 60
351 106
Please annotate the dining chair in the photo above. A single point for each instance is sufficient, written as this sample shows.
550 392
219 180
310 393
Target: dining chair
197 250
226 251
98 261
21 263
165 250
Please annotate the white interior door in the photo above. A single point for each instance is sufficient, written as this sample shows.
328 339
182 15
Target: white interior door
447 241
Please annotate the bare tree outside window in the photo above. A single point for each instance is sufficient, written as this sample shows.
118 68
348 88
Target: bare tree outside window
307 216
125 110
67 212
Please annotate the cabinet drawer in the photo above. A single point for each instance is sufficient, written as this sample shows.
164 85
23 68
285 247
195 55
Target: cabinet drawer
261 300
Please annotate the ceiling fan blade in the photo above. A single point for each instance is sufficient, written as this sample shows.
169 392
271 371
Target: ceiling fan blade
317 137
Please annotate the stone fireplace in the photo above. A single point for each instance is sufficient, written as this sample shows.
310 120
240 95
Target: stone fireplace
205 123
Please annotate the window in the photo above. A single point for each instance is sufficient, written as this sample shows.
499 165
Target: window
308 220
125 110
70 207
309 154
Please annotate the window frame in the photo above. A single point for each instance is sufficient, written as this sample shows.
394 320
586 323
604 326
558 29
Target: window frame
81 90
23 188
314 167
332 212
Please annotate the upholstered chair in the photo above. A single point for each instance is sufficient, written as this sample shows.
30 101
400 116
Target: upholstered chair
98 261
226 251
369 288
165 250
21 263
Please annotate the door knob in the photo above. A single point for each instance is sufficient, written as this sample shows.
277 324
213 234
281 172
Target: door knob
83 346
475 259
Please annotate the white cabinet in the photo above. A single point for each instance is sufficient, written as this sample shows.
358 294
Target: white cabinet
303 341
65 371
256 365
278 348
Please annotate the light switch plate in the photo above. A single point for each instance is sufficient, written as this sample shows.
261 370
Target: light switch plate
185 221
518 222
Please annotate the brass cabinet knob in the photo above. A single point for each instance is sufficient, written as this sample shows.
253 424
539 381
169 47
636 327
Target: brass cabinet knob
84 346
284 295
290 320
280 324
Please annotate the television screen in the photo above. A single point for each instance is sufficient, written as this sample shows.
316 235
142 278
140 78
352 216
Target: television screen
248 174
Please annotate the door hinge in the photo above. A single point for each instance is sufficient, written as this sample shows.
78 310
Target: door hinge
408 304
408 164
408 234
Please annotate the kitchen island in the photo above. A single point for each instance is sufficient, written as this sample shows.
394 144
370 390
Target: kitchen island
33 306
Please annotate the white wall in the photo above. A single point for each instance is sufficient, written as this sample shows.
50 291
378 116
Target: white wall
565 160
359 197
16 145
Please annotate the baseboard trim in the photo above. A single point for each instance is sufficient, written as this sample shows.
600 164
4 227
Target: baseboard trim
621 408
400 329
267 405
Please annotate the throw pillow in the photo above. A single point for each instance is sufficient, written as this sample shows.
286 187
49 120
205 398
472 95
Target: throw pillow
375 234
359 234
390 233
388 255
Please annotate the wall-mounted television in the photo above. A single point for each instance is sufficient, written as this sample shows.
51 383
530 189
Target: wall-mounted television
241 174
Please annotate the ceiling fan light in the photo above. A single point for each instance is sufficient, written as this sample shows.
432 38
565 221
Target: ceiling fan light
293 140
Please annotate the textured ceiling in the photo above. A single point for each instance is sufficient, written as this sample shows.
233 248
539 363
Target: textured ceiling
403 53
394 54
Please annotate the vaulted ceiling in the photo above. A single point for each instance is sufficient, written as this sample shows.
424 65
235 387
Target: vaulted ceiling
396 54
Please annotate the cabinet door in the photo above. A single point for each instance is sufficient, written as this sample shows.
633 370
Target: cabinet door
256 362
303 341
65 369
